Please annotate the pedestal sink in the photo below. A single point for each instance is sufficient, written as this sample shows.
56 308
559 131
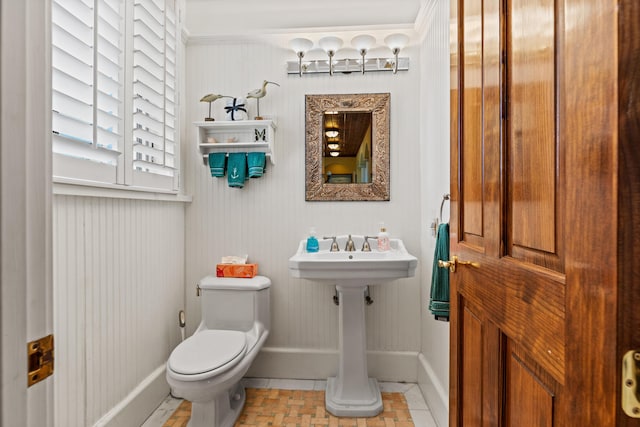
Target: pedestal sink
352 393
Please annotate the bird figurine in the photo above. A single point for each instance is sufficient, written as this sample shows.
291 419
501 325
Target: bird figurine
210 98
260 93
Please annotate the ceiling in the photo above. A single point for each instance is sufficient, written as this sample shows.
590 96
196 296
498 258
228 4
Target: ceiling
251 17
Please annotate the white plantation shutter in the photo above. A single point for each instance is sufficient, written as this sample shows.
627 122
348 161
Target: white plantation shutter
109 74
154 58
92 91
170 104
86 88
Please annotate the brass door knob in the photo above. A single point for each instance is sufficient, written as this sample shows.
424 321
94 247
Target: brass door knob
453 264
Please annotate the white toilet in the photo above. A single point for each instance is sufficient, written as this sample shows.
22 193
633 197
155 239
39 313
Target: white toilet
207 367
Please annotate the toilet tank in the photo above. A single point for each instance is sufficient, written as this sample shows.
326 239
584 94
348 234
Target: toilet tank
234 303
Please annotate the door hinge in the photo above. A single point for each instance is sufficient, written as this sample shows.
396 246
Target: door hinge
39 359
630 380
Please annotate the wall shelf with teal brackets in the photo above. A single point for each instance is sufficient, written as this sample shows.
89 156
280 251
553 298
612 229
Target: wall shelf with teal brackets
236 136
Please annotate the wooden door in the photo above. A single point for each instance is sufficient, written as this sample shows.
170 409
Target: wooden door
545 196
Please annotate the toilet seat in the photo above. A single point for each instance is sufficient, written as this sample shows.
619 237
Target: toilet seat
209 351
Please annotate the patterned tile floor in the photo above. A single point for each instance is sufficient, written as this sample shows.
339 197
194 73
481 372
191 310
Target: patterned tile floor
297 403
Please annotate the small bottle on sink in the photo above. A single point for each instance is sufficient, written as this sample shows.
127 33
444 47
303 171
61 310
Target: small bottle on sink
383 239
312 241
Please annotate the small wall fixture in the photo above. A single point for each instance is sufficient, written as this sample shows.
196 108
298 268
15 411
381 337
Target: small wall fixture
330 45
301 46
395 43
362 43
332 132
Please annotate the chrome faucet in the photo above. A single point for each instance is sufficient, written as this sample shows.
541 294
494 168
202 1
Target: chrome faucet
334 244
350 246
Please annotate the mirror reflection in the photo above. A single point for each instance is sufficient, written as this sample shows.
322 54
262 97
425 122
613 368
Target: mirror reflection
347 147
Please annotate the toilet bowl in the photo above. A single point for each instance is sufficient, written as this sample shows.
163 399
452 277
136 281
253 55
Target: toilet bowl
207 367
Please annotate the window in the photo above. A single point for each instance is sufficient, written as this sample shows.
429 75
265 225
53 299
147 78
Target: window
115 123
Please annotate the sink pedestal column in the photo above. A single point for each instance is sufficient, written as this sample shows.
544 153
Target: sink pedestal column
352 393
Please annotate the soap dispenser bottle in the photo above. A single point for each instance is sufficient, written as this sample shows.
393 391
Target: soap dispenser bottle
312 241
383 239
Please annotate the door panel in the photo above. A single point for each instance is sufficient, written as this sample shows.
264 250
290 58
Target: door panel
536 410
472 368
472 148
531 143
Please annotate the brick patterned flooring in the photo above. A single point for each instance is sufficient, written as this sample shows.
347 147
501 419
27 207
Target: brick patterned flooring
298 408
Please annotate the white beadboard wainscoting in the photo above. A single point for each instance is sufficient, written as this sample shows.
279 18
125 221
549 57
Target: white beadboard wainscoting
433 367
118 287
268 217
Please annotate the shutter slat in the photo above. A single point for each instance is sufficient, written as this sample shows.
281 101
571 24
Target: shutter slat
141 104
142 136
144 121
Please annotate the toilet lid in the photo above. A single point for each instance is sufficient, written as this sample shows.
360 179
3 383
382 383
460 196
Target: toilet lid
206 351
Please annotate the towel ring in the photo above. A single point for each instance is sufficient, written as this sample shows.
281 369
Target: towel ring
437 221
444 199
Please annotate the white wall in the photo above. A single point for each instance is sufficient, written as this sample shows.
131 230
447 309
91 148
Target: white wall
269 216
118 287
434 156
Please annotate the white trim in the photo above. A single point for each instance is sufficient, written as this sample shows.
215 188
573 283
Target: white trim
135 408
303 363
425 18
436 397
282 36
25 207
77 187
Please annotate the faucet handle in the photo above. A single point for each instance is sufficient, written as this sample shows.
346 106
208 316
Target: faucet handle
366 247
334 244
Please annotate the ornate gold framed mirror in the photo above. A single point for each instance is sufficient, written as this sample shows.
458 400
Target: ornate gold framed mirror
347 147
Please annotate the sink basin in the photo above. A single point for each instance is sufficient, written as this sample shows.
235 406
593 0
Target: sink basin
355 268
351 393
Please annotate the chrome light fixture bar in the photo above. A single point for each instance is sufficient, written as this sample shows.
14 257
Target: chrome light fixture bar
348 66
362 43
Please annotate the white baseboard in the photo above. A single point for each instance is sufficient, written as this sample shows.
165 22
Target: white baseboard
300 363
134 409
435 395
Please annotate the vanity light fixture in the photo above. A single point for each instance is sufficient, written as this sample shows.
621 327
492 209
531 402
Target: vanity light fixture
363 43
330 45
301 46
396 42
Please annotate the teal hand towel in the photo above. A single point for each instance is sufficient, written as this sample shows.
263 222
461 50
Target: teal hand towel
256 162
439 301
237 169
217 163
